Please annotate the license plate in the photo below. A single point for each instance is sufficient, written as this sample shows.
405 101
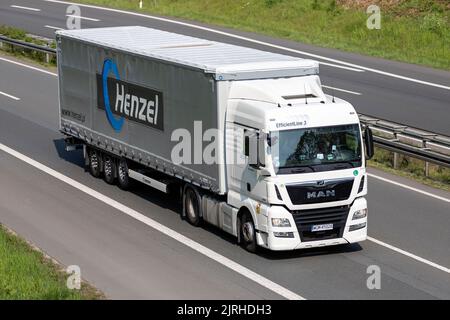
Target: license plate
322 227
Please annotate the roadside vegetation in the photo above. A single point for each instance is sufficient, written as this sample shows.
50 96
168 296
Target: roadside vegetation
414 31
26 273
438 176
19 34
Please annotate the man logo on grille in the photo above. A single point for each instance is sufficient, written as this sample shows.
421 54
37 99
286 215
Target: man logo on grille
321 194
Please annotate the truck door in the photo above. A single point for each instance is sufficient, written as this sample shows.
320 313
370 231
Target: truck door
243 168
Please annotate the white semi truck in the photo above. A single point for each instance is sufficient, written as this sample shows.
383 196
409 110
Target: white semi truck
246 138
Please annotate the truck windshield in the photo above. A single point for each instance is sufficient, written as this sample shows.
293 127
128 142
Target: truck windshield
316 149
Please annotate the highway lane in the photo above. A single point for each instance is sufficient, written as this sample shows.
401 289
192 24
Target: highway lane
413 222
382 96
119 255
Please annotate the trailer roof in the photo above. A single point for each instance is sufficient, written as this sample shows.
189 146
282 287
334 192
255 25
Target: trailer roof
224 61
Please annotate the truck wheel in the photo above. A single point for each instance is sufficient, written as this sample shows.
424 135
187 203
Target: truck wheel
109 169
123 180
248 232
191 206
95 163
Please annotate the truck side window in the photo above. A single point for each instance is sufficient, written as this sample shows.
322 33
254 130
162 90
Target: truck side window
251 147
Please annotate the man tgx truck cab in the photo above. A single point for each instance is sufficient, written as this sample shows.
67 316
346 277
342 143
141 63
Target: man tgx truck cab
246 137
306 186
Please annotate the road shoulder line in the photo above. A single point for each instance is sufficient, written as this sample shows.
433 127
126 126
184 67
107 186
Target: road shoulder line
282 291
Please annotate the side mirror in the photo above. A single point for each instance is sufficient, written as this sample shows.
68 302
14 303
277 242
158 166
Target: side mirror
368 142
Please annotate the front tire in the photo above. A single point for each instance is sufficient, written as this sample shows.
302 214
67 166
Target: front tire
248 232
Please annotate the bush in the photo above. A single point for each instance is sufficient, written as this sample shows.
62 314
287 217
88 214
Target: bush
433 22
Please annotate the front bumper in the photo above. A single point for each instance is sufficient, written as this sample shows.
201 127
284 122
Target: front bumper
270 241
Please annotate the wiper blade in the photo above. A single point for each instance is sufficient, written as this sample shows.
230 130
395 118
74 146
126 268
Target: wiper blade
344 162
301 169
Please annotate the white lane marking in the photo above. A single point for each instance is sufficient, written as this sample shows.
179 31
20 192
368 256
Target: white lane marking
9 96
340 67
342 90
161 228
410 255
82 18
25 8
52 27
28 66
409 187
262 43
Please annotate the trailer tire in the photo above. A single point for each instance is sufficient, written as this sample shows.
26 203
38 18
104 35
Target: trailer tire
248 232
123 180
192 206
95 163
109 169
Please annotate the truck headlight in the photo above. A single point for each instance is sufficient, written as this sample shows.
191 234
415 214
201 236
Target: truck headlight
280 222
360 214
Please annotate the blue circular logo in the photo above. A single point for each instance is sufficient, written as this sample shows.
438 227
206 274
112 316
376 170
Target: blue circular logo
109 66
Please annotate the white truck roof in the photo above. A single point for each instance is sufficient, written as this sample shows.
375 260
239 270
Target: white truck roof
223 61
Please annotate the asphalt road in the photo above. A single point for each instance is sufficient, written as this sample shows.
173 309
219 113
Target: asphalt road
373 92
127 259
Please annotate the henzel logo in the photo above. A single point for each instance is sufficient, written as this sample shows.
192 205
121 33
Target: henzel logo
133 102
321 194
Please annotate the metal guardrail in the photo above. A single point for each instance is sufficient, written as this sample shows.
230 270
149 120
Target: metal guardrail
428 146
417 143
28 45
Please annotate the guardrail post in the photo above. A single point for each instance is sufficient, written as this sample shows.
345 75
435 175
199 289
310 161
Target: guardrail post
396 160
47 57
427 169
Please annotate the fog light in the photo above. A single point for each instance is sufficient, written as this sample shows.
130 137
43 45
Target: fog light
360 214
281 222
283 234
357 226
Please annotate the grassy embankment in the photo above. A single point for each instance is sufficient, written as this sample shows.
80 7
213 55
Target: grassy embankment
19 34
414 31
26 273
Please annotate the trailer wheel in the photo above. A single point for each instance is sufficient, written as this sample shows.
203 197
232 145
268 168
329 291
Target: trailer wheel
109 169
191 206
248 232
95 163
123 180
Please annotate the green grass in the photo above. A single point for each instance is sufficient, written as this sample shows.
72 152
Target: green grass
19 34
26 274
439 177
414 31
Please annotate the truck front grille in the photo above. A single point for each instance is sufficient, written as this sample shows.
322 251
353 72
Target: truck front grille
306 219
320 191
